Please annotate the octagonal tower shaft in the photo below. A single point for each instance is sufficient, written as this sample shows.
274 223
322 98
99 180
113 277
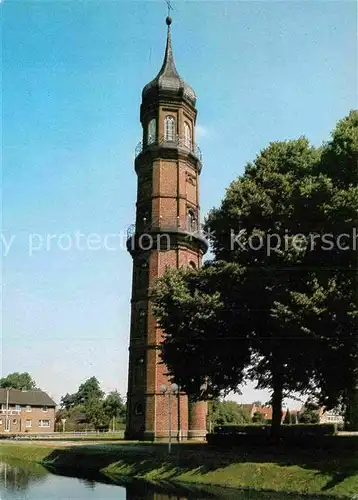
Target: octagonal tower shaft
166 233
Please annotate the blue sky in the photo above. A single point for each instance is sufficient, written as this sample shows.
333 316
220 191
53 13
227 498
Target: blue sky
72 75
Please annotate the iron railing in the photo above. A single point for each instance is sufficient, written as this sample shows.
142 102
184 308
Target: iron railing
170 224
176 143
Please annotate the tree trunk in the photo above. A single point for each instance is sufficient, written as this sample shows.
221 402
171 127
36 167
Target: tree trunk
277 397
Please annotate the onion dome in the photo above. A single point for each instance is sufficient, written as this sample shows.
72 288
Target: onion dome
168 80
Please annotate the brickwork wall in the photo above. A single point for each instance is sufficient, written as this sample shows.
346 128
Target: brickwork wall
18 422
167 189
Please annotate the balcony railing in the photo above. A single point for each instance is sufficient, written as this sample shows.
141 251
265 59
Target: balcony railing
169 224
176 143
10 412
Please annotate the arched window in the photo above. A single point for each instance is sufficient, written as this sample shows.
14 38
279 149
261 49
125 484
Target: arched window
169 128
187 135
192 264
191 220
142 323
142 266
152 131
138 372
138 409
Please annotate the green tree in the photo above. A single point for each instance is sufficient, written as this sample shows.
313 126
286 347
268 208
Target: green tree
294 418
287 419
309 414
18 380
340 307
87 391
198 315
114 407
272 305
95 413
328 306
227 413
256 227
69 401
236 320
86 405
258 418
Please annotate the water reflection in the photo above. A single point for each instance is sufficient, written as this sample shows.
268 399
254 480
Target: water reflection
15 477
27 481
146 491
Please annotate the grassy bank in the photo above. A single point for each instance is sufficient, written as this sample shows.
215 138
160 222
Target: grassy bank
299 471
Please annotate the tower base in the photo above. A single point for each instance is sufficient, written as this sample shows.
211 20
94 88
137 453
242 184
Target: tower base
163 436
197 435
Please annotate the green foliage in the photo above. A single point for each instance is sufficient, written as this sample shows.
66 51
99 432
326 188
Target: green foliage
114 407
18 380
87 391
196 311
95 413
309 414
294 418
287 420
258 418
226 412
271 307
88 406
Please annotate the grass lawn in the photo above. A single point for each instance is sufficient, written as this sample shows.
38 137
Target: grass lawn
324 472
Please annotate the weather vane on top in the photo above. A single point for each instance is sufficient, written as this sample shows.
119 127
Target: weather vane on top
170 7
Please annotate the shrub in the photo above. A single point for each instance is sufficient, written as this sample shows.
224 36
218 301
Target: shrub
304 434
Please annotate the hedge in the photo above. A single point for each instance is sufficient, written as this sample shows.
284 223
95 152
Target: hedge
307 435
286 430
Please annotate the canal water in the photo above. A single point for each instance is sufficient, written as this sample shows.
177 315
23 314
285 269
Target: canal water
24 481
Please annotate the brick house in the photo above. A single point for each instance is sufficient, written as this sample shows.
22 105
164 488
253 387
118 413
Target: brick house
26 411
330 416
253 408
265 410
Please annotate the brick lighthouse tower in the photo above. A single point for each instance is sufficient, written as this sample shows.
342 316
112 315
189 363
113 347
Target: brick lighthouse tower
166 234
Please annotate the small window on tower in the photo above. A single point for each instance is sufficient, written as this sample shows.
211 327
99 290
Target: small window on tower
152 131
142 323
187 135
169 128
138 409
192 222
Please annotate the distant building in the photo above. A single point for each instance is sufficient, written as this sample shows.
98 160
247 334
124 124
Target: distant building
26 411
253 408
265 410
330 416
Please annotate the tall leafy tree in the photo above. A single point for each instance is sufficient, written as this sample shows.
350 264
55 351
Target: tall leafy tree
87 391
274 290
18 380
227 413
95 414
69 401
287 419
309 413
258 418
328 307
114 407
198 313
256 227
